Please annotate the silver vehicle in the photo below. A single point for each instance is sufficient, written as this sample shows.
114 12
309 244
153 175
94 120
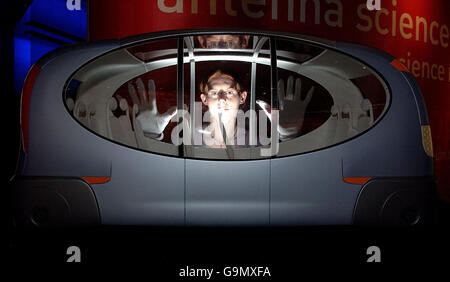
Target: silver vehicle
361 152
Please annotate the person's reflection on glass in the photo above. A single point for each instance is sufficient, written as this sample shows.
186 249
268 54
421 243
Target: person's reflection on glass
223 41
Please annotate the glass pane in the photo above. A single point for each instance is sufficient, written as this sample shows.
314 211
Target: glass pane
224 91
296 51
129 96
306 104
154 98
325 97
155 50
373 92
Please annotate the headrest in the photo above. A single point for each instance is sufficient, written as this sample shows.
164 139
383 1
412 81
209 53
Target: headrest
70 104
112 104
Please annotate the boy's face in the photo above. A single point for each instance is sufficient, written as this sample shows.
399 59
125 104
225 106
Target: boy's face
222 97
226 41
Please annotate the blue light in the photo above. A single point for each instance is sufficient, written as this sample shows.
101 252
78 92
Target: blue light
54 13
48 18
22 59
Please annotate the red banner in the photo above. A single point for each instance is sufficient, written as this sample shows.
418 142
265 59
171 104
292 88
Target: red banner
416 32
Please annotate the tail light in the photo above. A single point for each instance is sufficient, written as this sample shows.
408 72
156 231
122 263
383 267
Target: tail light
25 103
426 140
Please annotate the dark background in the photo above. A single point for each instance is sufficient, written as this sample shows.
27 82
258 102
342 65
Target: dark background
163 251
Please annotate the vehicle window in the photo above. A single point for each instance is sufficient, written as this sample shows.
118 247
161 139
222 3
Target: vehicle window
324 97
234 96
155 50
227 79
129 96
